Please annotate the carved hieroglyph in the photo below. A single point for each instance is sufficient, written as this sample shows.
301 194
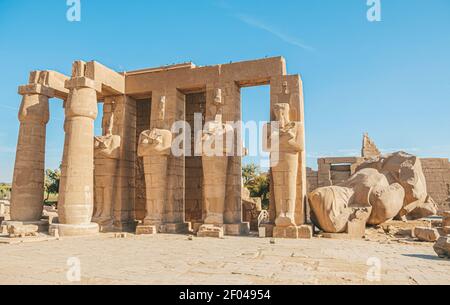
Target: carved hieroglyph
285 142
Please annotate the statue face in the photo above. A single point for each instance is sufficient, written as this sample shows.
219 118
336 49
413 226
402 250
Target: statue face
281 112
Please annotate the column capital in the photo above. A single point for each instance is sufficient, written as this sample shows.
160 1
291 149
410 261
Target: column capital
31 89
82 82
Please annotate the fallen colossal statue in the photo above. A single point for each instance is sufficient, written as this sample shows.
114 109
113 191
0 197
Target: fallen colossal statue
391 186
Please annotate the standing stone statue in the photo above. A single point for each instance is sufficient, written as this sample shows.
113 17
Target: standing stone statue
284 143
155 147
107 155
215 166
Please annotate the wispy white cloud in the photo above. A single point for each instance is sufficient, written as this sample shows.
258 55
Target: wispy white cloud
274 31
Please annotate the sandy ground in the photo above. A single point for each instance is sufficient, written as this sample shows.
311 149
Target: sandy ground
174 259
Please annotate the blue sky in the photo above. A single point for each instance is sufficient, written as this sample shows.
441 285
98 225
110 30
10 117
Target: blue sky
389 78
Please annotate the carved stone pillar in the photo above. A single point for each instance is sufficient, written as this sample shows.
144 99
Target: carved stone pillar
76 200
154 147
27 194
214 188
107 156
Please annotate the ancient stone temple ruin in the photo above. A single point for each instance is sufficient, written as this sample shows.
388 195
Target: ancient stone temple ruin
130 176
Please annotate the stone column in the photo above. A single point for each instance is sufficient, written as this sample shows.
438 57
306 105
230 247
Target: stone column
76 202
28 183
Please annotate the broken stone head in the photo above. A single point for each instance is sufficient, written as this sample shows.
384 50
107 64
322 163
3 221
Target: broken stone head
155 142
393 186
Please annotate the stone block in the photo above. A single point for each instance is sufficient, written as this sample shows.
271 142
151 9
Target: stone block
237 229
42 224
446 222
290 232
268 229
442 247
305 232
174 228
210 231
21 230
426 234
356 228
146 230
120 235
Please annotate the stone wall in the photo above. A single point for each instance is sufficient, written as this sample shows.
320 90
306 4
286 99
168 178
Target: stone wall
143 113
312 179
195 103
437 174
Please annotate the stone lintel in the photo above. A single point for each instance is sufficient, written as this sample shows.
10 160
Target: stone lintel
111 82
51 80
82 82
31 89
244 74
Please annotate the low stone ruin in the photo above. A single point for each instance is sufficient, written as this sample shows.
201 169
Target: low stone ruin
22 231
387 187
251 209
442 246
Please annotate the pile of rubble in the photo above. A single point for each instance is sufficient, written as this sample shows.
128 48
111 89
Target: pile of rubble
442 246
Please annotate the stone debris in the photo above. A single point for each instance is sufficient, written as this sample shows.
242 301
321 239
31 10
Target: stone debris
21 231
442 247
391 186
146 230
426 234
210 231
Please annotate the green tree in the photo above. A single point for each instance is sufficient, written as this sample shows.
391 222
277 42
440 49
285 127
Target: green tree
52 178
257 183
249 173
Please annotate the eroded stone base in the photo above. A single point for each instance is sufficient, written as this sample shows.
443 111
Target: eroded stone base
293 232
117 228
268 228
210 231
174 228
356 229
73 230
237 229
41 224
146 230
195 227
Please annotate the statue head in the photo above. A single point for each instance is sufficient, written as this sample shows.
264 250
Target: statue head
281 112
